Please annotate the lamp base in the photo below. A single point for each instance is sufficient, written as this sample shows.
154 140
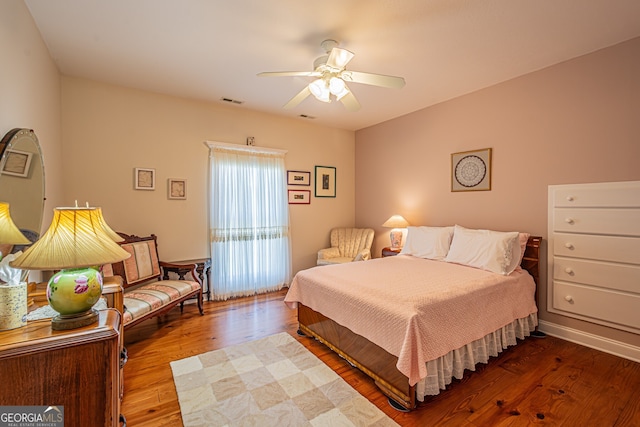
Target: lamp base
64 322
396 239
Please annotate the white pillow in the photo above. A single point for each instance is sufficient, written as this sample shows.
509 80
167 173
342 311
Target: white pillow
494 251
428 242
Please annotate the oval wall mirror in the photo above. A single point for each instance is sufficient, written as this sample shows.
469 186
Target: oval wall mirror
22 180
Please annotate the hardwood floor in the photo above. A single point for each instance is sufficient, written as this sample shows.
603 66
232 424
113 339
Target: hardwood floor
538 382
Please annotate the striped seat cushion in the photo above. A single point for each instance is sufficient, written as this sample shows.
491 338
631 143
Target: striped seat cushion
147 298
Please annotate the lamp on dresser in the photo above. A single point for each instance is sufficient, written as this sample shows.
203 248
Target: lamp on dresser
396 222
77 242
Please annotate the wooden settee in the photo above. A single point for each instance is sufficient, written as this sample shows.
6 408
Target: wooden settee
146 293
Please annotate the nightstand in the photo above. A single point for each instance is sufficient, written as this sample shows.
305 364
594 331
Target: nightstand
390 252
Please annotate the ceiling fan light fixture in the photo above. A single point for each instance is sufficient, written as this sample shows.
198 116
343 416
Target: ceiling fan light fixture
319 89
337 87
331 78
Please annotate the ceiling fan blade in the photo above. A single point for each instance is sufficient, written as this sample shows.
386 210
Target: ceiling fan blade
350 102
298 98
373 79
339 58
289 73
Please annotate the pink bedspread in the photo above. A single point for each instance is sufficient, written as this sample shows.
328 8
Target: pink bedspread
414 308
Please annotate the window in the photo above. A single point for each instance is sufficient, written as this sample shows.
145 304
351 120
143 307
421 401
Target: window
249 220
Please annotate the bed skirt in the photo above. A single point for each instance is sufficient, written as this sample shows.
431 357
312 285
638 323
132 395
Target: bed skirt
441 371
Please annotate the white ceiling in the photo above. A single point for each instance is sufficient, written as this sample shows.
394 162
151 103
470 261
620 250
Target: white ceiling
213 49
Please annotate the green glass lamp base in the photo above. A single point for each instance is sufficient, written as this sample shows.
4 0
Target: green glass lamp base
73 293
64 322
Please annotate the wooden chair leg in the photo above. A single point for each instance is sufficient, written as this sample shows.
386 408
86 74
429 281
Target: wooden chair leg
200 303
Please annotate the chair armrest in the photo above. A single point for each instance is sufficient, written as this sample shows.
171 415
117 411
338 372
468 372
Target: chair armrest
180 269
328 253
363 255
113 293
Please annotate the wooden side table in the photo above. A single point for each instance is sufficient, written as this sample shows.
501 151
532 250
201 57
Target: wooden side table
390 252
203 268
78 369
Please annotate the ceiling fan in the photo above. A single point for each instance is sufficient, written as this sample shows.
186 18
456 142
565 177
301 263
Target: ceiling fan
332 77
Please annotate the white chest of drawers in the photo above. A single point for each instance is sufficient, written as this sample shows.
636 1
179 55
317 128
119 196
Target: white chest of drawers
594 253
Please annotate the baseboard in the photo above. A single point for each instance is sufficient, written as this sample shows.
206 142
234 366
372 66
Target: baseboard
586 339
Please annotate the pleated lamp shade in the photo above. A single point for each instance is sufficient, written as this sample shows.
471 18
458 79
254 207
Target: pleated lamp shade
9 233
112 234
396 221
77 237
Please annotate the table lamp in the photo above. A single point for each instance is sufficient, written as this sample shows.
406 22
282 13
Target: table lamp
78 242
9 233
396 222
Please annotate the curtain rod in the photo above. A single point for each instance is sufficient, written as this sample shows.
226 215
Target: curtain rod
250 148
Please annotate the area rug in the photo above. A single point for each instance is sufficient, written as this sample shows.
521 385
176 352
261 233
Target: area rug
273 381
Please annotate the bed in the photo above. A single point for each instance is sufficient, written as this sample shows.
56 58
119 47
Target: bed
413 322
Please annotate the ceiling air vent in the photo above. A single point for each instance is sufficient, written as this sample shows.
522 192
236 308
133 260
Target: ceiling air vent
232 101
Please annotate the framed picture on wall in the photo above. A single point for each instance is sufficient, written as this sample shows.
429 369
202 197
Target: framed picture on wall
144 179
298 178
299 197
471 170
325 181
17 163
177 188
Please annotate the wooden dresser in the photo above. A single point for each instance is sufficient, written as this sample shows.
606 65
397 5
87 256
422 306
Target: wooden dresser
77 369
594 253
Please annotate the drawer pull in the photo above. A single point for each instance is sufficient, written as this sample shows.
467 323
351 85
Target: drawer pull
568 298
568 245
570 199
569 221
569 271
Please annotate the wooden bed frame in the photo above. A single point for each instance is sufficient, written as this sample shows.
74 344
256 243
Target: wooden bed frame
371 359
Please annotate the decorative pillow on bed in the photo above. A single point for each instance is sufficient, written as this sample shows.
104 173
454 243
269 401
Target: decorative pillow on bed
489 250
428 242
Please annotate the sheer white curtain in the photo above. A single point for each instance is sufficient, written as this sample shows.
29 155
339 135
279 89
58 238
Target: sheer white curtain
249 219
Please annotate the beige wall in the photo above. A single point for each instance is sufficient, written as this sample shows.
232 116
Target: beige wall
30 88
571 123
105 131
108 131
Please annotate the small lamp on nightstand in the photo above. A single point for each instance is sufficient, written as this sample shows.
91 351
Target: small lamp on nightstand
77 242
396 222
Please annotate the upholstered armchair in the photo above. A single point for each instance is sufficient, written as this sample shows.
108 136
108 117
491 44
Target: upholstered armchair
347 245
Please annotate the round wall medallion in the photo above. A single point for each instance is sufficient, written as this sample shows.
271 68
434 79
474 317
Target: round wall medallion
470 171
